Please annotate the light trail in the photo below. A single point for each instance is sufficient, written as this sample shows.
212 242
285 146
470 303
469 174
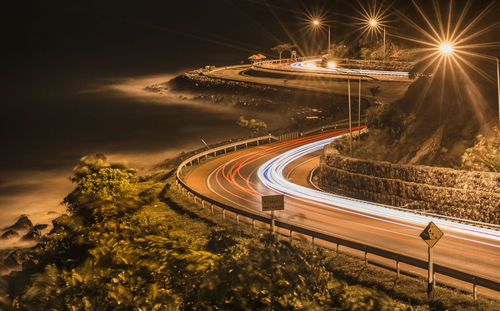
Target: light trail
271 175
235 180
309 65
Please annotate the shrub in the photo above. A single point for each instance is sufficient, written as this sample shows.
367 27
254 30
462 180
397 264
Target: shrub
484 155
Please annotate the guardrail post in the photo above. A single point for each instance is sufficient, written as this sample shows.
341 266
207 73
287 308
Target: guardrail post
366 258
223 214
397 269
312 241
257 142
237 219
337 249
253 223
474 289
291 236
272 224
202 204
212 209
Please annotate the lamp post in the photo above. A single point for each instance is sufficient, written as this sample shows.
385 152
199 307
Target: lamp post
498 87
375 24
317 23
350 118
446 48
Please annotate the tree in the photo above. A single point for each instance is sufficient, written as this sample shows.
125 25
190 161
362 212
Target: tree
375 91
254 125
280 48
485 155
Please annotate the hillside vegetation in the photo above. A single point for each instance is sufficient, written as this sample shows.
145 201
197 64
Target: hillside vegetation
435 124
129 244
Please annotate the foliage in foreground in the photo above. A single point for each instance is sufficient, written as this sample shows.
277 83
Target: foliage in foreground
113 253
485 154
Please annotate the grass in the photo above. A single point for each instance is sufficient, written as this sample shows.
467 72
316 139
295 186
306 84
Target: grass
406 289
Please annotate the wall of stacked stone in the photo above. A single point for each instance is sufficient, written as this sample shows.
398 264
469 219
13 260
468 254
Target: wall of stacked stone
470 195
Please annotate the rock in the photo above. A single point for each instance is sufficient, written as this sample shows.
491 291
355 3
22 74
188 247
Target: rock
33 235
9 234
40 226
23 223
59 222
13 260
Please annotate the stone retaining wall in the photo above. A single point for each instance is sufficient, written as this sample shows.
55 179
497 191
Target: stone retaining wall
470 195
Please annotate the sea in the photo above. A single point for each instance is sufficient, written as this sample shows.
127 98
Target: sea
45 133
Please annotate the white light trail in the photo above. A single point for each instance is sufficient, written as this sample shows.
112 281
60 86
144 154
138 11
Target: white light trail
310 64
271 175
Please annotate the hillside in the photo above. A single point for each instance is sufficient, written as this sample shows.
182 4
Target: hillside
130 242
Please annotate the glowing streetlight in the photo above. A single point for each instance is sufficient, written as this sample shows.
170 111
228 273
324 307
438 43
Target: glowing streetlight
446 48
316 22
375 24
332 65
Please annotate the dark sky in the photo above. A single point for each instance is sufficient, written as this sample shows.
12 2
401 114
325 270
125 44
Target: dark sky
129 37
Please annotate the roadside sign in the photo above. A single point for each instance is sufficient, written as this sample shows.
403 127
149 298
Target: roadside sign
431 234
273 203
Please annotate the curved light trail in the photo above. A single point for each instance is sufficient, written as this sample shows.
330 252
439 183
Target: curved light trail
240 179
271 175
310 65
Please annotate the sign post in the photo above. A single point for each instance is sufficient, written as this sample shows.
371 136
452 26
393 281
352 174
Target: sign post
431 235
273 203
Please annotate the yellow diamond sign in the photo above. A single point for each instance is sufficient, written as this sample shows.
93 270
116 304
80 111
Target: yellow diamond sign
431 234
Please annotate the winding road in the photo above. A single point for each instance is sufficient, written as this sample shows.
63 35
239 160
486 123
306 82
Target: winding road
389 90
240 178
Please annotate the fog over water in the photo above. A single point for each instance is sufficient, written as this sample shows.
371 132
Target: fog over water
73 82
47 136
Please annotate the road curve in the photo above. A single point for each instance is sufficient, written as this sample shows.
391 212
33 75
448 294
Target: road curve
389 91
240 178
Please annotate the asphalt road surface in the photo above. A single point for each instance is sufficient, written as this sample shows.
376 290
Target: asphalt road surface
389 90
233 179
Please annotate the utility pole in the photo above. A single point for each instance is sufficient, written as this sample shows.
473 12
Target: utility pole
350 118
384 42
359 111
328 39
498 90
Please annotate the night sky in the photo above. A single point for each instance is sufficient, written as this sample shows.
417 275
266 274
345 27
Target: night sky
88 38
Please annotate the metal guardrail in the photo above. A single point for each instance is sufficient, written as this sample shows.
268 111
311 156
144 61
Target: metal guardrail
413 211
318 234
266 65
213 151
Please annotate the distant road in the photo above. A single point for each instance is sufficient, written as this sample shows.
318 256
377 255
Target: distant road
389 90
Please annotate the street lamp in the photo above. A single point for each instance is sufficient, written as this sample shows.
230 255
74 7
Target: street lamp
447 49
317 23
375 24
